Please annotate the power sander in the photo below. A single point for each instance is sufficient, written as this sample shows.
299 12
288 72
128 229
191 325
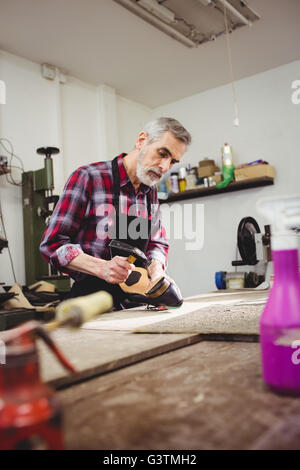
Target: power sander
138 285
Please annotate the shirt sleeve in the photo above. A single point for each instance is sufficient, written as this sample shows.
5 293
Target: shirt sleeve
58 245
158 247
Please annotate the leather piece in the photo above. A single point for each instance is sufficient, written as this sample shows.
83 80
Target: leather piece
171 298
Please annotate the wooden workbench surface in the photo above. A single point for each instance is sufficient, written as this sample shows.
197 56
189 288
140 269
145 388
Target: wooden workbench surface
169 391
93 353
108 343
208 395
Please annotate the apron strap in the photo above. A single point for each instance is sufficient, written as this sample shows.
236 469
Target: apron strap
116 197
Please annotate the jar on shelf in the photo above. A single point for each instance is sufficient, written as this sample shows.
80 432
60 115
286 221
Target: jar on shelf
181 179
191 178
174 182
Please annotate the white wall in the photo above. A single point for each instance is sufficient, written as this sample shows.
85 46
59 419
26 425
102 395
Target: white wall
97 123
131 117
80 123
87 123
269 129
29 119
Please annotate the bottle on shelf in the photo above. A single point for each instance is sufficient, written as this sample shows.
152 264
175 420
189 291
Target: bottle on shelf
174 182
227 166
191 179
181 179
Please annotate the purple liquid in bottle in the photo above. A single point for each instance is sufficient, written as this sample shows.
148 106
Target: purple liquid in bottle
280 326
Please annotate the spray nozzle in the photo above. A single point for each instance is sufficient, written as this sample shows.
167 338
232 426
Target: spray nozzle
282 212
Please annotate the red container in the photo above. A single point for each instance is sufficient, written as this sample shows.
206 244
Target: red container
30 412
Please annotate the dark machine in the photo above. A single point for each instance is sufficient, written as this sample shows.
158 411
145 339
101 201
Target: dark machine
254 248
38 205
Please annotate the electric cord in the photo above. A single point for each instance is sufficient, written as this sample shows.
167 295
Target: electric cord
9 253
7 146
236 111
10 150
7 174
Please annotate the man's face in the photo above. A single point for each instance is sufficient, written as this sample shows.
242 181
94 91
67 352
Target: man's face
154 160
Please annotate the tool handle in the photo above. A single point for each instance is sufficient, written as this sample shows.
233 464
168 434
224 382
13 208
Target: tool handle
75 312
131 259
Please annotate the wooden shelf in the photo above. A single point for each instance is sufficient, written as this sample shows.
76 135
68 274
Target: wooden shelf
210 191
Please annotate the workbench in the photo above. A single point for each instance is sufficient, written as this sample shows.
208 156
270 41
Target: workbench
168 391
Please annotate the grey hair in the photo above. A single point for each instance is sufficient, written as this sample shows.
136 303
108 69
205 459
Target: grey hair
155 129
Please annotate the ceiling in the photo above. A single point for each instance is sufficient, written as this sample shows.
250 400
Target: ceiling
100 42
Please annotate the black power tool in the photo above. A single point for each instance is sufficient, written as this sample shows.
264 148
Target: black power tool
137 286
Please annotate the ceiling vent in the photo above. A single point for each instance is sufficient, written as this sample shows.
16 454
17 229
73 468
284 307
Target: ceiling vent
192 22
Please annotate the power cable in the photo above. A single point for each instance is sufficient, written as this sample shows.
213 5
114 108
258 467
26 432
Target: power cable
4 230
236 121
11 153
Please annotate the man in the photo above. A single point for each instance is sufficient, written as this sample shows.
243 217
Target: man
100 199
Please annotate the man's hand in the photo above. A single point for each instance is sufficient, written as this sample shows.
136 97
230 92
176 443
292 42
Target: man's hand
155 270
116 270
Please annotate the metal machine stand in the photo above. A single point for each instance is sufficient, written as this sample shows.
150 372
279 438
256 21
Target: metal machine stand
38 205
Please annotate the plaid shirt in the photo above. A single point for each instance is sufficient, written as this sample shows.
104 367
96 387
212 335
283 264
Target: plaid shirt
74 225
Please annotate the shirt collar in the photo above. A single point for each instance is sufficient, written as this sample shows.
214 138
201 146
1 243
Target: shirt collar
124 178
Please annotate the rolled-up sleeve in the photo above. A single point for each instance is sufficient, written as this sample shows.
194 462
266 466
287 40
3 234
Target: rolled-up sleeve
158 247
58 245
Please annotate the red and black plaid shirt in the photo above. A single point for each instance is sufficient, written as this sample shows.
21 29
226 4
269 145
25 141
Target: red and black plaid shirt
74 224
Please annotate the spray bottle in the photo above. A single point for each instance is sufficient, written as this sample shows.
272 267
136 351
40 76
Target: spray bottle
227 166
280 321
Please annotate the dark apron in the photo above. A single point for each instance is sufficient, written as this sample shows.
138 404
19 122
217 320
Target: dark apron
92 284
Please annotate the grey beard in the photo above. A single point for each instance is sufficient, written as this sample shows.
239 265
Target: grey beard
142 173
